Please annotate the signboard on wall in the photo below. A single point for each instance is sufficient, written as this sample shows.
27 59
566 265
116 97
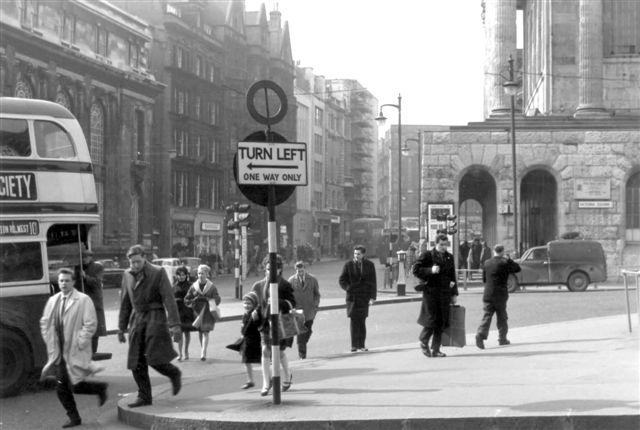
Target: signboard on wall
433 225
592 189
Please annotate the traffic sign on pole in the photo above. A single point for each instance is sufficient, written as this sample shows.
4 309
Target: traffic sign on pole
262 163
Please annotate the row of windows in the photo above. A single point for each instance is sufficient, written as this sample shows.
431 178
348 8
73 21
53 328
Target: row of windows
194 146
195 190
193 63
184 103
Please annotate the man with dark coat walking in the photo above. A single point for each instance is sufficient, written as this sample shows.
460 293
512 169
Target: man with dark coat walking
495 274
437 271
146 293
89 275
358 279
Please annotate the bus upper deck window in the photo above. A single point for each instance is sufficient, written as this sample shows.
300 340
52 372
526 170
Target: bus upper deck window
14 138
52 141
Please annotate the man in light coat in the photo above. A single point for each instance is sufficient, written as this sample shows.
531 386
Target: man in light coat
307 294
67 325
148 309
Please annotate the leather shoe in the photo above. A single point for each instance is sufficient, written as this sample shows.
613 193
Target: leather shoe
139 402
426 352
504 342
354 349
102 395
248 385
479 342
265 391
176 382
438 354
287 384
72 423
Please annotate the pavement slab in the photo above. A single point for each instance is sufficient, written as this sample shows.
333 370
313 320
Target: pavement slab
581 374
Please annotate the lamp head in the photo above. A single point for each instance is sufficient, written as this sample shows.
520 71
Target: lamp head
381 119
511 88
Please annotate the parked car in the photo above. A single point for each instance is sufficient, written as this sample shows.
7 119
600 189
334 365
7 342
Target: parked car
574 263
170 265
191 263
112 275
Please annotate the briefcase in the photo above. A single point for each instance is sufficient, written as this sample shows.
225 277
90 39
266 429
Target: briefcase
455 335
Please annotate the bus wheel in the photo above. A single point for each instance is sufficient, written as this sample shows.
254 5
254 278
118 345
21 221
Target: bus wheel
578 281
512 284
14 362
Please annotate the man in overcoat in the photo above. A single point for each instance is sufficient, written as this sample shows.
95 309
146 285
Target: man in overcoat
307 293
358 279
67 325
495 274
437 272
88 277
148 310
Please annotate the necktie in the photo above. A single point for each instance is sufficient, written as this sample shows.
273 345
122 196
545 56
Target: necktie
301 280
60 325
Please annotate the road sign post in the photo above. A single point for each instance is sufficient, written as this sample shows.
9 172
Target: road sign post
267 170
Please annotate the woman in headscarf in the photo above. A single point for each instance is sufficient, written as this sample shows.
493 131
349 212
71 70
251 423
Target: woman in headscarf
200 294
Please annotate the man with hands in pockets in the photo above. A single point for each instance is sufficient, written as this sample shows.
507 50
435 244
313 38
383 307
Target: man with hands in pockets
437 272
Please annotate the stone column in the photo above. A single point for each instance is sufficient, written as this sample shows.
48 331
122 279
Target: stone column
500 41
590 96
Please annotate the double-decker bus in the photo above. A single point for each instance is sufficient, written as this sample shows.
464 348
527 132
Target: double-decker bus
47 206
367 232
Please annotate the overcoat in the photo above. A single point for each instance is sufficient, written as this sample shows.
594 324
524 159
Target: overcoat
360 287
435 287
198 298
79 324
145 316
286 302
92 283
307 294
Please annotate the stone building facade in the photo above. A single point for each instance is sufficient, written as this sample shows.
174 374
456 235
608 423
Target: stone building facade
577 130
91 57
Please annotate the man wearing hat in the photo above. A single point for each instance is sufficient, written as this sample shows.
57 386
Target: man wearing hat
495 274
88 276
307 294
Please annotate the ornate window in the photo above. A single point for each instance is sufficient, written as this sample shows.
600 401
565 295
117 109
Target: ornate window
63 99
96 126
23 90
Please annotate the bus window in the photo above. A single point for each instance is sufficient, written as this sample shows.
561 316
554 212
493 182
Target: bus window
14 138
20 261
52 141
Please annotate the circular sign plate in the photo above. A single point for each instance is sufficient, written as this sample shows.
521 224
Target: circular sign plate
251 106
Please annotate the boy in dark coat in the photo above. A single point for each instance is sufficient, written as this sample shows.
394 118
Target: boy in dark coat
358 279
495 274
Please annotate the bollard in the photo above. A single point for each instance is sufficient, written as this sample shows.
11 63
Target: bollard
402 281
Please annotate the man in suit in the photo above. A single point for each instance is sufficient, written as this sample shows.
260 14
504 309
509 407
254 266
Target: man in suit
146 293
358 279
495 274
67 325
437 271
307 294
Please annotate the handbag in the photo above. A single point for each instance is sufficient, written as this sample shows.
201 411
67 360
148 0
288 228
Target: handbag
291 324
215 310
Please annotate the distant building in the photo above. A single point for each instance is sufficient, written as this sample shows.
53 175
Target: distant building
577 130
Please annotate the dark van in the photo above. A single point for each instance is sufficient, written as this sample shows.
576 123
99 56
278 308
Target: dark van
574 263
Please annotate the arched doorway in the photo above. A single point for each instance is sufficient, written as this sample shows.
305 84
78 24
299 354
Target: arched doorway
538 209
477 195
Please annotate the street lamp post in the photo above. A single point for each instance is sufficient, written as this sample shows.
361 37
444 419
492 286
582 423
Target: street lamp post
381 119
511 89
405 149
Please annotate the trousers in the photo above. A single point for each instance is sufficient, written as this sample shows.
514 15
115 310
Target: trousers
141 376
358 330
499 307
65 390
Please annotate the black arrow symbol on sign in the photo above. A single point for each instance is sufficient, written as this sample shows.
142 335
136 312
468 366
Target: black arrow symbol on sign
252 166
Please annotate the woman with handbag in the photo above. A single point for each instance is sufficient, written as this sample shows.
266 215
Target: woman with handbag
286 302
203 297
180 290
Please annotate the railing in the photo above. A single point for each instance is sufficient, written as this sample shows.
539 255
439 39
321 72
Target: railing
626 274
468 275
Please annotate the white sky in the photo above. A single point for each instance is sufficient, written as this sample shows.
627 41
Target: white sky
430 51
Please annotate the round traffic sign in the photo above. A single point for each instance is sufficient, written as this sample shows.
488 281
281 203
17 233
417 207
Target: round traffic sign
259 194
269 119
